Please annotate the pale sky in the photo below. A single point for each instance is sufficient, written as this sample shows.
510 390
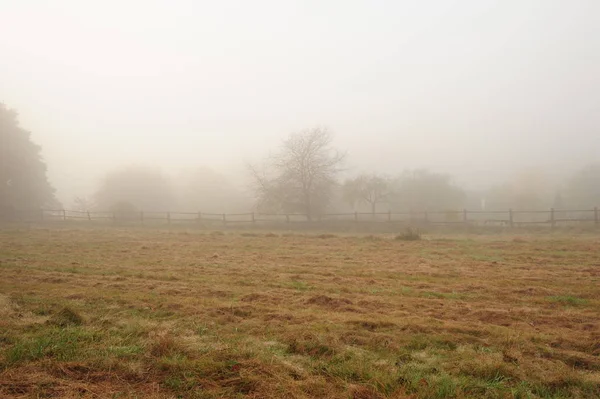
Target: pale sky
477 88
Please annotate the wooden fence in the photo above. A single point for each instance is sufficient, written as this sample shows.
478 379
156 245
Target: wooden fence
509 218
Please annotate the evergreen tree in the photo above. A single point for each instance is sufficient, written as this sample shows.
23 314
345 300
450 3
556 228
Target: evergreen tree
23 181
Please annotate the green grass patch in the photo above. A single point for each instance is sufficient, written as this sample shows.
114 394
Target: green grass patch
568 300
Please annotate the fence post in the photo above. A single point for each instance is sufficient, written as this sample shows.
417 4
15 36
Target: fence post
224 219
253 218
596 221
465 219
89 216
552 220
64 215
142 217
510 218
355 216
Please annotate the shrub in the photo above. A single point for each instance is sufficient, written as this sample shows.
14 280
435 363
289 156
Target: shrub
409 235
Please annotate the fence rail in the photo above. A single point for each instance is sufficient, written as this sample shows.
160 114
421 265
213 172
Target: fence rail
511 218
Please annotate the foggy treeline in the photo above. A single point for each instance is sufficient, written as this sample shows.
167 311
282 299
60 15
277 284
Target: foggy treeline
305 174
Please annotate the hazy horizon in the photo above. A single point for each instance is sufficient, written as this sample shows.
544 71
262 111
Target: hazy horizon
477 89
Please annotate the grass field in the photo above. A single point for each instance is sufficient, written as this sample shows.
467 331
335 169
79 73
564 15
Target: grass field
157 314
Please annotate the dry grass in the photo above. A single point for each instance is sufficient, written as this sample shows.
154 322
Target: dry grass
133 313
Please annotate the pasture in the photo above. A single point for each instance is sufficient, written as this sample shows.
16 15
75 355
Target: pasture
126 313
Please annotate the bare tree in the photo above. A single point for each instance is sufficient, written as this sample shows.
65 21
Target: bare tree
369 189
583 188
84 204
302 174
422 190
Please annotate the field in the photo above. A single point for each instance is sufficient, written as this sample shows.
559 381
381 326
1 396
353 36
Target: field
164 314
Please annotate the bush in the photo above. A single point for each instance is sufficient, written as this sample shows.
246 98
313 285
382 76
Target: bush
409 235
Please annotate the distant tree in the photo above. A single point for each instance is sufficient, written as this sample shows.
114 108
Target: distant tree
367 189
301 175
23 181
527 190
203 189
83 204
583 188
142 188
422 190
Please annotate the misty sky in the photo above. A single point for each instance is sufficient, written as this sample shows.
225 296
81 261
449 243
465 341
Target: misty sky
477 88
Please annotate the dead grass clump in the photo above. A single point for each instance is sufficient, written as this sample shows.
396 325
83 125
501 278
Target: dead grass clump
66 317
249 234
375 305
325 236
328 302
312 345
499 317
362 392
254 297
490 368
239 311
533 291
7 307
278 317
578 360
371 325
409 235
293 235
358 339
164 344
372 237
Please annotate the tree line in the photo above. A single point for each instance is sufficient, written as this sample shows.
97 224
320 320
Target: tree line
306 174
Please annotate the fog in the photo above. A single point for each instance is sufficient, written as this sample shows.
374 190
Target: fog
478 89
